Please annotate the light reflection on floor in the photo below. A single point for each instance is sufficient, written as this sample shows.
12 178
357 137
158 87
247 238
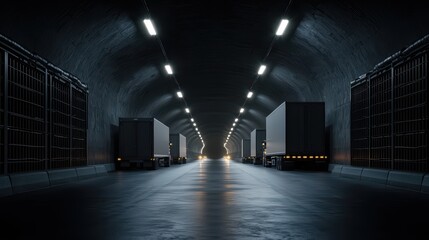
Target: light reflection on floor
216 199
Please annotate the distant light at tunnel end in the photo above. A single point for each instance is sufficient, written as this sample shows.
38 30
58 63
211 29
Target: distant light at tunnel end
262 69
282 27
168 69
149 26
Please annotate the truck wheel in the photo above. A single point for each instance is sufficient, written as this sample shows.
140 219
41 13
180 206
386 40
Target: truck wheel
156 164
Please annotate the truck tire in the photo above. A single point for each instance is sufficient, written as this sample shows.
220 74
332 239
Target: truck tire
155 164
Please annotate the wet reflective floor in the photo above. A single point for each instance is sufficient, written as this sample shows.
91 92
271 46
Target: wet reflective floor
216 199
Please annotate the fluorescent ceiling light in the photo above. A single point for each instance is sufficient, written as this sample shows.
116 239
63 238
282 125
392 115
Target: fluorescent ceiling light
233 124
195 124
236 120
179 94
250 94
232 129
192 120
149 26
241 110
196 129
262 69
282 27
168 69
187 110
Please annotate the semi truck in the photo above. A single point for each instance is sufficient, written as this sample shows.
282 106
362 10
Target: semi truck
143 142
178 148
295 135
257 138
245 151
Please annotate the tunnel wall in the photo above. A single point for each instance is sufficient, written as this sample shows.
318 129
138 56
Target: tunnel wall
75 51
346 41
331 44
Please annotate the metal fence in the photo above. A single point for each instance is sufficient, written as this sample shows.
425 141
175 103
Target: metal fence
389 113
360 124
43 121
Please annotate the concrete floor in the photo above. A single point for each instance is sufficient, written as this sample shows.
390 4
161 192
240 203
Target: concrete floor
216 199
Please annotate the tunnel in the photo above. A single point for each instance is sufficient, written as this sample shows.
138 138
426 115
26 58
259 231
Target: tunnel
82 81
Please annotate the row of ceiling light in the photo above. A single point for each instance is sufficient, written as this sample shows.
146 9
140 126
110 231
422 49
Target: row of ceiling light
151 30
280 30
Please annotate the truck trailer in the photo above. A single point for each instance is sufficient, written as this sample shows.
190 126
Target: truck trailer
143 142
295 135
245 151
178 148
257 138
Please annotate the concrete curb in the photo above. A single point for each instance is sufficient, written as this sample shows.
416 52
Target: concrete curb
29 181
100 170
405 179
425 184
23 182
86 172
335 168
375 175
351 172
110 167
5 186
62 176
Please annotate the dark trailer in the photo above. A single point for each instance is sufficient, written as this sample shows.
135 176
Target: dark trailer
295 134
143 142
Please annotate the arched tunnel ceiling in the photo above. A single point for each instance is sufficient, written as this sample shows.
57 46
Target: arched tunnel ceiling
215 49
